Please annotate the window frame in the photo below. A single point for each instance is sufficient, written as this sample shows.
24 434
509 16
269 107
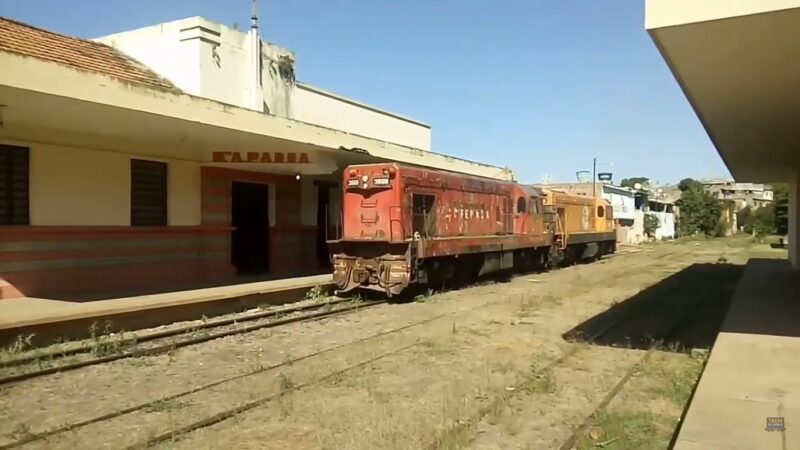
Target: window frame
423 213
137 204
15 155
536 205
522 202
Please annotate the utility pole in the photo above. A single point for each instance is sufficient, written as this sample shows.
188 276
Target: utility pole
594 177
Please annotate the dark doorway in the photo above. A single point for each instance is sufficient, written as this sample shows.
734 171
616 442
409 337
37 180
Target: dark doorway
323 212
250 219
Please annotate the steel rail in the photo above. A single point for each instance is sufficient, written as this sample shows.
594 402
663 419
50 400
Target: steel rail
32 437
170 346
169 332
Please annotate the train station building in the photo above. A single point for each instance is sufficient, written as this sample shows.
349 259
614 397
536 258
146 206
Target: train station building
181 154
737 63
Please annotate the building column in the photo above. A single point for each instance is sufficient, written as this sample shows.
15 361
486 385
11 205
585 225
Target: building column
794 227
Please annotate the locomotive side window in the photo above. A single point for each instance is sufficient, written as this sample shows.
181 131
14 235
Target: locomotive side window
423 214
521 206
535 208
601 211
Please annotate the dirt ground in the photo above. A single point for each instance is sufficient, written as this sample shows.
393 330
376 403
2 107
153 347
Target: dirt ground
485 367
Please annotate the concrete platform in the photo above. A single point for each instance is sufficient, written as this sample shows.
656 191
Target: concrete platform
49 319
754 369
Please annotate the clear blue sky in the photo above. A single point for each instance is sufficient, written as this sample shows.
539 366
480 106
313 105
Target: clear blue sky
539 86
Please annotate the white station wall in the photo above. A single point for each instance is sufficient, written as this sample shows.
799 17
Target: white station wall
83 187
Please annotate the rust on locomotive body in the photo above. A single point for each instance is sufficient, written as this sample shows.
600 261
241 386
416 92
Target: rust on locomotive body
405 225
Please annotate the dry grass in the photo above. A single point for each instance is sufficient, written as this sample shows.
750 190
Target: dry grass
673 378
623 431
646 413
479 376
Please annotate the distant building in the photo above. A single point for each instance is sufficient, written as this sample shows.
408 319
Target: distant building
754 195
664 211
630 207
624 208
660 203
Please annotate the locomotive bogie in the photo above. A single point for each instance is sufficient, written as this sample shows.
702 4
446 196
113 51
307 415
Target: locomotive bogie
389 274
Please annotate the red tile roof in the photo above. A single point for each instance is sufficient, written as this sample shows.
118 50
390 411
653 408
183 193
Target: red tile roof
81 54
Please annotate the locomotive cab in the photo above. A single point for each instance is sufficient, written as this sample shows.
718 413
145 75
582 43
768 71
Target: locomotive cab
373 201
373 249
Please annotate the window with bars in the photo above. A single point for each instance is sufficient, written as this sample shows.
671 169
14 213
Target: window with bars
148 193
14 185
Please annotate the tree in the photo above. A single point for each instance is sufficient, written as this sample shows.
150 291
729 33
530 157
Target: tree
700 211
688 183
651 224
764 220
760 221
631 182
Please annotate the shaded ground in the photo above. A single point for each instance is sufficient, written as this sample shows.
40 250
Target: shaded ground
695 297
484 367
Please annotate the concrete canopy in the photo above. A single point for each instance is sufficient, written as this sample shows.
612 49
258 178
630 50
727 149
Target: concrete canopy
738 63
38 117
46 102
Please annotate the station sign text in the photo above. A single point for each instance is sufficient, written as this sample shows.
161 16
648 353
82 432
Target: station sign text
261 157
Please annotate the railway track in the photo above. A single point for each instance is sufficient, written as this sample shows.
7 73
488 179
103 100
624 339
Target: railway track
124 343
168 340
208 421
570 443
87 347
674 327
36 364
33 437
226 414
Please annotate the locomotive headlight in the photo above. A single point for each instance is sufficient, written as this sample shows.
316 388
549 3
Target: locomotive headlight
380 181
364 178
352 182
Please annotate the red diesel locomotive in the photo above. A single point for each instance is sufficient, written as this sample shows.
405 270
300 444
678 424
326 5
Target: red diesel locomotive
405 225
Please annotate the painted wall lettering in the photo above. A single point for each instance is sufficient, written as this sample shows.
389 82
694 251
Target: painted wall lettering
261 157
464 211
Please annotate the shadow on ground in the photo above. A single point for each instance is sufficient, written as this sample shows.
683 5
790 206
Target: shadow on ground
681 312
